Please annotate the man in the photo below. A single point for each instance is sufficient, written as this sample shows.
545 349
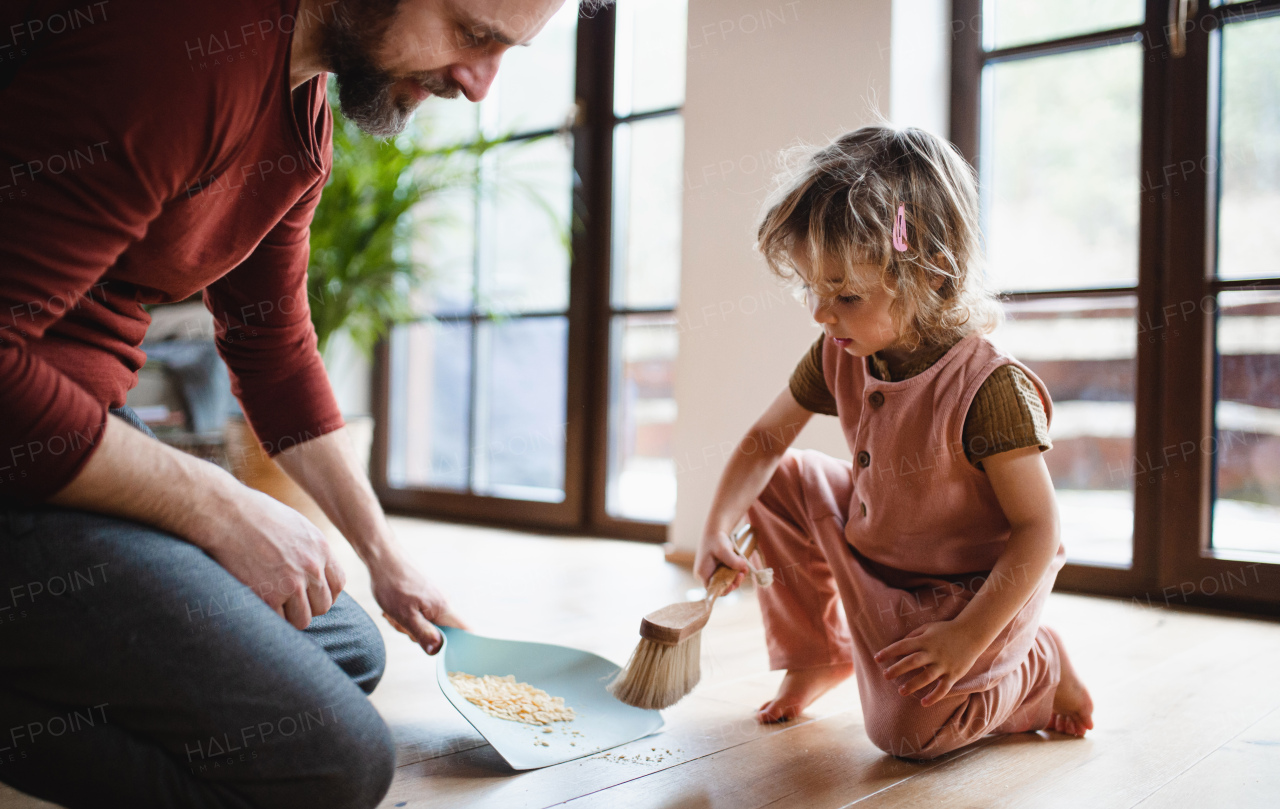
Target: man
169 637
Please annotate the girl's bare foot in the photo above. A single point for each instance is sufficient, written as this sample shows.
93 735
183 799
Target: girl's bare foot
1072 706
800 688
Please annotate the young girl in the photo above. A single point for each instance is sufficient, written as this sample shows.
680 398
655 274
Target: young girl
941 538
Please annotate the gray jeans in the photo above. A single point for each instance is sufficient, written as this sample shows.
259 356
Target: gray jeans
135 671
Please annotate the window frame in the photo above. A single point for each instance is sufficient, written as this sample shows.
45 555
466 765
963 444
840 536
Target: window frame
1176 256
583 509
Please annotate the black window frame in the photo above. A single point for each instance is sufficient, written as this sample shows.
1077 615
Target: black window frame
1175 387
583 509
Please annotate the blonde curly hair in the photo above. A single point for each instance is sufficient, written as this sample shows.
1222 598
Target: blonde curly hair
835 208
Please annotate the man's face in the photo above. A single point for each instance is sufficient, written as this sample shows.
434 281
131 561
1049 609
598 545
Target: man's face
390 55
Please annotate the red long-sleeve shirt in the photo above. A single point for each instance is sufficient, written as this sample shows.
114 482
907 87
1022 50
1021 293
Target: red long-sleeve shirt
150 150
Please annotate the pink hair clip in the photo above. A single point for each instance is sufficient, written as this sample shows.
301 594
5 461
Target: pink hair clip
900 229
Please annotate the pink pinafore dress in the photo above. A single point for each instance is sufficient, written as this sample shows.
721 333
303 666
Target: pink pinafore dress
904 535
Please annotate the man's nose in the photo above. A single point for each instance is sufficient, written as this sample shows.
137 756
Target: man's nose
476 75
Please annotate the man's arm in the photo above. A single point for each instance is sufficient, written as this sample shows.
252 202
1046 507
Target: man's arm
265 544
72 199
266 337
327 469
84 171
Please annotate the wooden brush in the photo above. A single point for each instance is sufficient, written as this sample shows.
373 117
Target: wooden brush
666 664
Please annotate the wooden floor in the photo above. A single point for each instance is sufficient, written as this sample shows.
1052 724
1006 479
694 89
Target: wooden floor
1188 712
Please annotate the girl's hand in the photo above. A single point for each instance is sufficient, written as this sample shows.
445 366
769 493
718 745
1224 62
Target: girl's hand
941 652
717 549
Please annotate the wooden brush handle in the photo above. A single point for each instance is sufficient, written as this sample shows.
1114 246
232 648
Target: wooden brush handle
744 540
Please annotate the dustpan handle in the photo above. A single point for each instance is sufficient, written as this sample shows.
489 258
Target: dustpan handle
744 540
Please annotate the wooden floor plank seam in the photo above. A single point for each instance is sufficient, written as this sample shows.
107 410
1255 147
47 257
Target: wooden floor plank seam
956 756
1152 671
1132 646
1193 764
452 752
1035 795
791 726
1101 683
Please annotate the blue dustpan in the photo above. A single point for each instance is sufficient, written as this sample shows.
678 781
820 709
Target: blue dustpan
580 677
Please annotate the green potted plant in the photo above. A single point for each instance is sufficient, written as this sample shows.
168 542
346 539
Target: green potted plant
362 272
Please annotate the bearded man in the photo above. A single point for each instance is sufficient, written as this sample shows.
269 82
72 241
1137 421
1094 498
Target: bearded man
169 637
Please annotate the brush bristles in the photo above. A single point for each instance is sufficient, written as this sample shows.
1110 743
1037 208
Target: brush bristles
658 676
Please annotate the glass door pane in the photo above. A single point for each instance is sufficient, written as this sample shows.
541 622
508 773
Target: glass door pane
1060 164
1246 446
656 29
1249 151
1085 352
430 406
648 176
648 185
520 408
1008 23
444 247
644 272
524 221
478 387
534 88
1246 441
642 414
1060 154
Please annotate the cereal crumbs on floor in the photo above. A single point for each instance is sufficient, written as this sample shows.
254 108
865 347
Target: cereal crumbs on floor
504 698
641 758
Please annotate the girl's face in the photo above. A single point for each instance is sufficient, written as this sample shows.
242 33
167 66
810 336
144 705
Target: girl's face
858 323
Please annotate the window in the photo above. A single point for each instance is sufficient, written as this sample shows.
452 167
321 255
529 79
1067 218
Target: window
1244 62
648 149
535 389
1130 180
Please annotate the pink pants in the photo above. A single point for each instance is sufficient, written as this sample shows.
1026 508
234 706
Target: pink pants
799 523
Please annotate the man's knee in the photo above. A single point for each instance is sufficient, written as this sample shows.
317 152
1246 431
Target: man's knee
371 665
352 640
353 761
370 757
370 661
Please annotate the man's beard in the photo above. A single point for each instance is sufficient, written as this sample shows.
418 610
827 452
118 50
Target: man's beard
349 44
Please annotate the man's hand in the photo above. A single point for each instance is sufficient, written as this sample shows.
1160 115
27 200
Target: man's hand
412 604
941 652
327 468
276 551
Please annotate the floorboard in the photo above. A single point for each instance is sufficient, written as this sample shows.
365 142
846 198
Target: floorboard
1186 715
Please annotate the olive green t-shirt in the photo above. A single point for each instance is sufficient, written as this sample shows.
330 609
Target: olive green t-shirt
1006 413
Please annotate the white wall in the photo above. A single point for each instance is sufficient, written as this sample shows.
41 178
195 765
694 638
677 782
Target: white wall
762 75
